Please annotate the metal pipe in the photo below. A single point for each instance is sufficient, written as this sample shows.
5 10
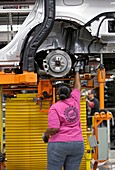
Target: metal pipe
101 96
101 58
101 80
11 25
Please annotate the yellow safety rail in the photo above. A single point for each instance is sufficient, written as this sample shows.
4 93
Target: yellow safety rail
1 122
85 164
24 127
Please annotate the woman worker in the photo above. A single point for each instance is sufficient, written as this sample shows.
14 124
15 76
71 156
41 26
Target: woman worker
65 145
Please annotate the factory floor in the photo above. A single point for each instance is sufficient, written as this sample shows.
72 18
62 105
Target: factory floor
108 165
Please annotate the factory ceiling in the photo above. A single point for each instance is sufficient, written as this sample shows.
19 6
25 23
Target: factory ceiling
18 9
19 2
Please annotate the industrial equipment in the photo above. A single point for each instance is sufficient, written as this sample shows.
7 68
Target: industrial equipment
60 28
55 34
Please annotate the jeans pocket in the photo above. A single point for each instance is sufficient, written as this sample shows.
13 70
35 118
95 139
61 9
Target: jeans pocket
76 148
56 151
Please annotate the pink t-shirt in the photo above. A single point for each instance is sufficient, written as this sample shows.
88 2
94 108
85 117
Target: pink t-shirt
65 115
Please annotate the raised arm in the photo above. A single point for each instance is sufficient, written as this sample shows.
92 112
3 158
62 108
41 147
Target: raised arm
77 82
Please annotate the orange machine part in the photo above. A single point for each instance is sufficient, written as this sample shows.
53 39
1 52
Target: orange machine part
98 118
101 80
2 166
90 83
12 78
44 85
28 77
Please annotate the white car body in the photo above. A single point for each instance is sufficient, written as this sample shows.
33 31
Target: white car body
76 11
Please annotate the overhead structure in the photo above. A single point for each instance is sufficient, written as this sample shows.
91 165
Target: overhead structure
15 2
68 30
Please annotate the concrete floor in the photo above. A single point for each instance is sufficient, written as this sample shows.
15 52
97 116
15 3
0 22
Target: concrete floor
108 165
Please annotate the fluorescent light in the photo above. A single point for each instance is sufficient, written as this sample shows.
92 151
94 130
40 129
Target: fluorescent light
98 59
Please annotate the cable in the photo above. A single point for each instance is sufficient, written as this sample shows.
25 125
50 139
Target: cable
91 44
100 26
97 35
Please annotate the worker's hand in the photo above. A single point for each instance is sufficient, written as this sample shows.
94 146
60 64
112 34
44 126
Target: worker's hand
77 66
45 138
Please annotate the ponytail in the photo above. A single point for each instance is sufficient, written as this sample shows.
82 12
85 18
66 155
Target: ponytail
62 96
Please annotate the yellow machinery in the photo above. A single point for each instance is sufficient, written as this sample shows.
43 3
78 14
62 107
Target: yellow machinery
26 120
99 117
25 124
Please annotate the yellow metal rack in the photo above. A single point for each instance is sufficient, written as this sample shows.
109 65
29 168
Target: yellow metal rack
25 124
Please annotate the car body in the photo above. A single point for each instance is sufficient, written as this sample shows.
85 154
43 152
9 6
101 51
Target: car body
81 29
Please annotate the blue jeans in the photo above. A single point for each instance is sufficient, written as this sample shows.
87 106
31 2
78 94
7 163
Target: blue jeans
67 154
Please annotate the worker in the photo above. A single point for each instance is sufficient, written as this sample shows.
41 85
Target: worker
66 145
92 107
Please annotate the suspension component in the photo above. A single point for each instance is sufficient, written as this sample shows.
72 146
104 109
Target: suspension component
57 63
